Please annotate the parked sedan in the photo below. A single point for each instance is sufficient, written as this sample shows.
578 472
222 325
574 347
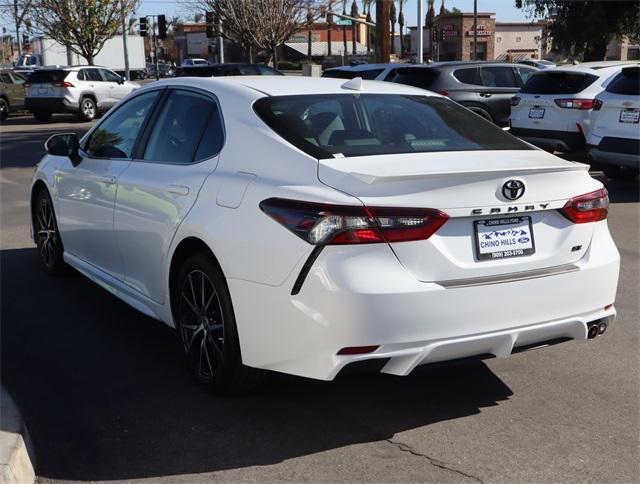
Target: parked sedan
485 88
301 225
227 69
11 92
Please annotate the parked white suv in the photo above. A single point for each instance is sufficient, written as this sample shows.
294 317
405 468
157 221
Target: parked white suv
552 109
614 139
84 90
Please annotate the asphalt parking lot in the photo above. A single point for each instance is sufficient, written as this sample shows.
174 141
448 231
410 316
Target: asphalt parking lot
105 395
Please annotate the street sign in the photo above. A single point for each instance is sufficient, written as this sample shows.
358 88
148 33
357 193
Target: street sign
343 22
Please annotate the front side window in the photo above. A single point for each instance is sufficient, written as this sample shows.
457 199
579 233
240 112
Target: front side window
117 134
110 76
498 76
91 75
180 128
343 125
340 74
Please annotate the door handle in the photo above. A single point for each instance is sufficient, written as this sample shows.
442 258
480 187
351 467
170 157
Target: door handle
485 94
178 190
109 180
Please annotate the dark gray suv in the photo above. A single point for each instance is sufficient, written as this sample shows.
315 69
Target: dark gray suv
486 88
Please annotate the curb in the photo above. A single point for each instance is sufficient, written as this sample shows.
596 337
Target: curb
16 451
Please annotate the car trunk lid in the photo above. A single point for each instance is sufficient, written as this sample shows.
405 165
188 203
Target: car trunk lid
468 187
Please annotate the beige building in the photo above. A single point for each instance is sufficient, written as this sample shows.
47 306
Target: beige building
621 49
516 41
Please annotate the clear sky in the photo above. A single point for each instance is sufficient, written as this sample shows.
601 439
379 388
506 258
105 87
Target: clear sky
505 10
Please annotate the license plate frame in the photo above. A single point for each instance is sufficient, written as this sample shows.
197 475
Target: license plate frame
505 253
536 113
635 119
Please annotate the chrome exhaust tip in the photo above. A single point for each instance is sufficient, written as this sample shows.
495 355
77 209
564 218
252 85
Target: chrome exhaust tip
602 327
593 330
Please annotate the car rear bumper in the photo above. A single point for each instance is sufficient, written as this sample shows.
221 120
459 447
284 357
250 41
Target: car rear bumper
551 140
614 158
50 105
361 296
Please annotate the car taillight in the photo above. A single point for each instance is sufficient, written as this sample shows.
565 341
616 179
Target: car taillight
325 224
62 84
575 103
515 100
597 104
591 207
444 93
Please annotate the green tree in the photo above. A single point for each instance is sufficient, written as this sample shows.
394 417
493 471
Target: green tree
82 25
584 28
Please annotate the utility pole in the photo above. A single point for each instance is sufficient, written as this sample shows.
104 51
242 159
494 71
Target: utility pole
220 43
420 34
475 29
124 44
382 31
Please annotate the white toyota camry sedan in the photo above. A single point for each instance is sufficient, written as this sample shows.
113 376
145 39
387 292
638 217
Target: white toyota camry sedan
301 225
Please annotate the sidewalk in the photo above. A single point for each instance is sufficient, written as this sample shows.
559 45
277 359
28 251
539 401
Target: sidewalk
15 446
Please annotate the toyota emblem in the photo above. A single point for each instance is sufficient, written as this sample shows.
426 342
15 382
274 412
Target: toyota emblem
513 189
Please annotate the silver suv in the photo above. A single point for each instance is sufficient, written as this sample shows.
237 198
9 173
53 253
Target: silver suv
84 90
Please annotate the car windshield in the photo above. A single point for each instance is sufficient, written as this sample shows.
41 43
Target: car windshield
344 125
558 82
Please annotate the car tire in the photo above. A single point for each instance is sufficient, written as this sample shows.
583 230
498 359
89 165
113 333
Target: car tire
620 172
47 235
88 109
42 116
4 109
481 112
205 322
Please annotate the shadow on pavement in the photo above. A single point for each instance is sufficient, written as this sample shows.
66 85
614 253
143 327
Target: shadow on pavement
22 149
105 395
620 191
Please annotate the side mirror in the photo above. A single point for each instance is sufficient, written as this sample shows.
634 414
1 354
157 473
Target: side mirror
122 79
66 144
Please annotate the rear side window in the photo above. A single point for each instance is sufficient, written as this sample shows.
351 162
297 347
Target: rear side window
344 125
180 127
498 76
47 76
117 134
468 76
558 82
627 82
422 78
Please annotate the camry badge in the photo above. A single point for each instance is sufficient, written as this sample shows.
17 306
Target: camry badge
513 189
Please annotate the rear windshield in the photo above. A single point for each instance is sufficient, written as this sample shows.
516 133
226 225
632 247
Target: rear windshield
422 77
627 82
344 74
46 76
558 83
343 125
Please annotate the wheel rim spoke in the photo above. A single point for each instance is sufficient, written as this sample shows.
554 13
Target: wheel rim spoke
201 323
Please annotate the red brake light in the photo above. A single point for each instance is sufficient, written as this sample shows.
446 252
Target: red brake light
62 84
444 93
590 207
515 100
597 104
575 103
357 350
324 224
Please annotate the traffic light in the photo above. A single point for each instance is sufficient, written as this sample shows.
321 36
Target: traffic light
162 27
25 41
434 35
442 35
210 24
142 26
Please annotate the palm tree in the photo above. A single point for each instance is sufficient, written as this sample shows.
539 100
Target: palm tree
354 26
401 24
393 19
